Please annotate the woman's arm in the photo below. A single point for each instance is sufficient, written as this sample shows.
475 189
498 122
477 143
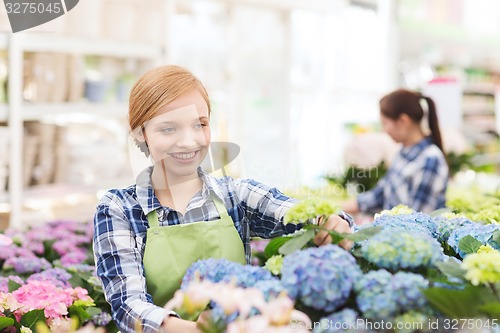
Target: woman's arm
119 267
266 207
372 199
428 185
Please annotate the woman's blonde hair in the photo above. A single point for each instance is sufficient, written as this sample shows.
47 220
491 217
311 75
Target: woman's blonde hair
158 87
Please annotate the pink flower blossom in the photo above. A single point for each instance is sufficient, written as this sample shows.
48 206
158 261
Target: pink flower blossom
4 240
45 295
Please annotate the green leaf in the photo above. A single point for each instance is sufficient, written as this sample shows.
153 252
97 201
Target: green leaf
297 243
439 212
274 245
80 312
362 234
451 269
6 322
336 236
469 244
29 319
464 303
13 286
495 237
92 311
491 309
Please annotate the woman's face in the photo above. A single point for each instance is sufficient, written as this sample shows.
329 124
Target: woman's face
179 135
393 127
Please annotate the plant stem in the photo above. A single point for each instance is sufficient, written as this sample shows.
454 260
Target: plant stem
494 289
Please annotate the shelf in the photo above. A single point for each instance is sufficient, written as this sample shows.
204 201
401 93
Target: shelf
67 111
486 91
485 113
51 43
58 191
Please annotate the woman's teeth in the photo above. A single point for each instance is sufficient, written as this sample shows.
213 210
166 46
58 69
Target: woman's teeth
184 156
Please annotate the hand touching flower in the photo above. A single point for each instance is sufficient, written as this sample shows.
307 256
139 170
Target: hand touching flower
333 223
324 213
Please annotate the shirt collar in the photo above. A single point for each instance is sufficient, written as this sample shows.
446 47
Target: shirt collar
210 185
411 152
148 200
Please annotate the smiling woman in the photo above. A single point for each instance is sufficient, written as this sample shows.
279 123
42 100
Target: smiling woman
147 235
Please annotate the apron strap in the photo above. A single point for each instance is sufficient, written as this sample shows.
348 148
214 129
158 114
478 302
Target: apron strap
153 219
153 215
220 207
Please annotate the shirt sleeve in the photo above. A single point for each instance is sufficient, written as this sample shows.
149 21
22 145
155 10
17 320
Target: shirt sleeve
372 199
119 267
264 207
429 185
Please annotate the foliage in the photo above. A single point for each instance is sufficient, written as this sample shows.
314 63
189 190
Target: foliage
414 268
361 178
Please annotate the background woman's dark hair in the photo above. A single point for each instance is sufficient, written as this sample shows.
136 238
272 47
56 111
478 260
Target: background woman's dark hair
404 101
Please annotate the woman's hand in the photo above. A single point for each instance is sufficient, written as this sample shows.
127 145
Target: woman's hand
335 223
177 325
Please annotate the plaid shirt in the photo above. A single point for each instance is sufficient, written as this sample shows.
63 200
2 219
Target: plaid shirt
417 178
120 235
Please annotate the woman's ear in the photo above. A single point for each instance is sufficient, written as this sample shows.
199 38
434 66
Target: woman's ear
138 134
140 140
405 120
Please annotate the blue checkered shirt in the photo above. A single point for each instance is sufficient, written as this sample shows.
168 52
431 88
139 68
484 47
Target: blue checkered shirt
418 178
120 226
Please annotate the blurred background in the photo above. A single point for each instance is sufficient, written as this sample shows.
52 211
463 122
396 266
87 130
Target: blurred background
294 83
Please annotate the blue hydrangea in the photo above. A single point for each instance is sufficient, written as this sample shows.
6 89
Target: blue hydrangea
446 226
57 276
342 321
412 222
399 248
270 288
27 264
101 319
481 232
407 289
321 278
382 296
219 318
217 270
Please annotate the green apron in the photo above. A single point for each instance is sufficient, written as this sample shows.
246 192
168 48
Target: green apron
170 250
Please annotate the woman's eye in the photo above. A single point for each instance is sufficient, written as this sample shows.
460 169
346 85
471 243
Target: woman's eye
167 129
201 125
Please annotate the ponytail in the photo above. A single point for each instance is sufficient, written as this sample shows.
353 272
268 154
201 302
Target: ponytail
434 124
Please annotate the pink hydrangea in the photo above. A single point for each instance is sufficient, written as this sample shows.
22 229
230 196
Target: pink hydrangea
45 295
4 240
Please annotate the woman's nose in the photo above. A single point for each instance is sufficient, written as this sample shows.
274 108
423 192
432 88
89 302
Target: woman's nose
191 138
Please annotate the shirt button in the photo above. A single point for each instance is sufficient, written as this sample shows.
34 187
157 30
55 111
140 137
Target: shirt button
156 231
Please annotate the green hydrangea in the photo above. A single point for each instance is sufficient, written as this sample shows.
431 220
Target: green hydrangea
451 215
275 264
475 205
410 322
308 209
397 210
489 214
396 248
482 267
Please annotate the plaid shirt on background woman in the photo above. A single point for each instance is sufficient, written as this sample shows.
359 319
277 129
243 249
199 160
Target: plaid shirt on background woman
418 178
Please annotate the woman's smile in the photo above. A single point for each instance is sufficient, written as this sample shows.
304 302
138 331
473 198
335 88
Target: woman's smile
185 157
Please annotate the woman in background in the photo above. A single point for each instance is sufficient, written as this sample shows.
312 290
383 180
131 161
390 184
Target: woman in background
418 176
